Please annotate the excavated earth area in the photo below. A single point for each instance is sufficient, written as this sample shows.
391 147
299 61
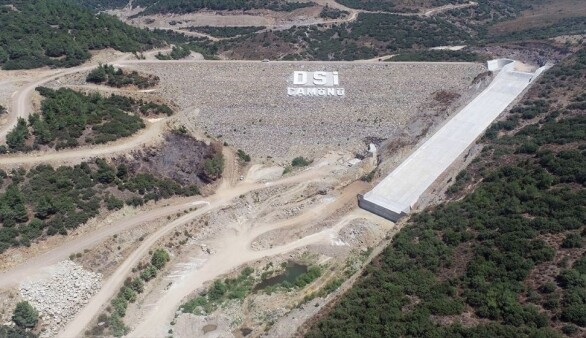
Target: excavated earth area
286 207
246 103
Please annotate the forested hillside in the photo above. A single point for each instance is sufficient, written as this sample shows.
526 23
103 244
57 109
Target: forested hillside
370 35
61 34
396 5
381 32
189 6
100 5
507 259
46 201
68 119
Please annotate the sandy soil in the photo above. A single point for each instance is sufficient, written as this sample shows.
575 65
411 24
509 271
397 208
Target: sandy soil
221 198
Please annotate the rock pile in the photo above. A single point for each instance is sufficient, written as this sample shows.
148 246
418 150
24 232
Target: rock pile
59 296
246 103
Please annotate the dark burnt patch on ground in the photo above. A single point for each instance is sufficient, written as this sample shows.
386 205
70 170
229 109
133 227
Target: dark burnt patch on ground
180 157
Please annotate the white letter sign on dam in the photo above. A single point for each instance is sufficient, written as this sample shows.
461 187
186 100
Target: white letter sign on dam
315 84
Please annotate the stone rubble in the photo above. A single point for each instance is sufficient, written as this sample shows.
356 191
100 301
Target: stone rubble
246 103
59 296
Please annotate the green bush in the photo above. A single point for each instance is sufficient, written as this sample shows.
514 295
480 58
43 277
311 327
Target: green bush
148 273
213 167
243 156
160 258
117 326
15 332
128 294
25 316
300 161
572 241
107 74
137 285
119 304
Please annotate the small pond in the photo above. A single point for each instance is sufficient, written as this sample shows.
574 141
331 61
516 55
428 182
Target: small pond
209 328
292 271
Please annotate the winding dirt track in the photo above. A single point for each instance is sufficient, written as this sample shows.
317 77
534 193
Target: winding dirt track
152 130
231 257
21 104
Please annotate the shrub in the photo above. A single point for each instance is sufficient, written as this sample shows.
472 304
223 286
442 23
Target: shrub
213 167
24 315
117 326
137 285
148 273
160 258
300 162
572 241
128 294
548 287
243 156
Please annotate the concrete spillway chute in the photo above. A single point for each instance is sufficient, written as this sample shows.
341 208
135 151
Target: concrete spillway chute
395 195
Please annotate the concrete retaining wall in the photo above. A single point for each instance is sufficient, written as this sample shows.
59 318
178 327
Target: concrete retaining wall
380 210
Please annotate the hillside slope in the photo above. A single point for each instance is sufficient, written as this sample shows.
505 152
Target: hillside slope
61 34
507 259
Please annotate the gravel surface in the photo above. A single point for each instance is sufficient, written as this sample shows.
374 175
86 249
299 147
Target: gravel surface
61 294
247 103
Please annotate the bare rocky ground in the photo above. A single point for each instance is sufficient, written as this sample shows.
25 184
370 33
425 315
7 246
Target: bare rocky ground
246 104
61 294
193 244
256 17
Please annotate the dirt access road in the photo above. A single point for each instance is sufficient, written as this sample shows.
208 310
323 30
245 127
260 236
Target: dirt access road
231 258
154 129
228 191
22 107
21 103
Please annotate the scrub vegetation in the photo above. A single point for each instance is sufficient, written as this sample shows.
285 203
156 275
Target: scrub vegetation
116 77
61 34
44 38
370 35
226 32
507 259
45 201
382 33
332 13
68 119
396 5
189 6
220 292
111 321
